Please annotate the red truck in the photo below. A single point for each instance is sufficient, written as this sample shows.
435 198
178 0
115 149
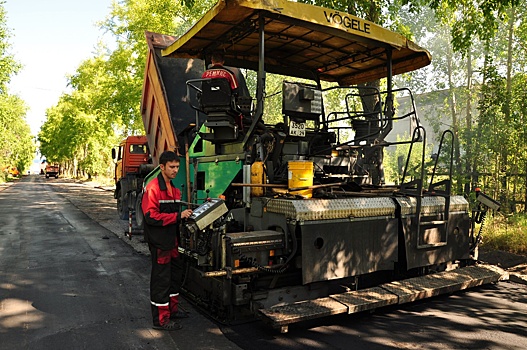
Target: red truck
133 163
52 170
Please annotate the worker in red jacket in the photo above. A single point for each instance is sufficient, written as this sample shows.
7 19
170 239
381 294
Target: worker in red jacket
217 70
162 212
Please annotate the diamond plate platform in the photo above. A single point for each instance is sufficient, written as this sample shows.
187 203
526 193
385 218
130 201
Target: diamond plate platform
366 299
432 205
304 310
392 293
327 209
441 283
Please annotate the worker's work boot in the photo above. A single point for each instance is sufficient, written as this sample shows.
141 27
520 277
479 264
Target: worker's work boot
161 318
175 311
169 326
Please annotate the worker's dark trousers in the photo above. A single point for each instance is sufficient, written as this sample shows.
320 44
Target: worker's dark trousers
164 289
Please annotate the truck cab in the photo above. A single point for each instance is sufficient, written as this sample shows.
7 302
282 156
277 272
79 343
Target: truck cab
132 160
52 170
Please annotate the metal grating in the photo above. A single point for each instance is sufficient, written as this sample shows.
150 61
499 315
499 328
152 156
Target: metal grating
304 310
398 292
327 209
440 283
432 205
458 203
366 299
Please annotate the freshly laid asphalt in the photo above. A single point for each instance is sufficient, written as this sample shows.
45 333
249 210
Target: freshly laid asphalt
66 282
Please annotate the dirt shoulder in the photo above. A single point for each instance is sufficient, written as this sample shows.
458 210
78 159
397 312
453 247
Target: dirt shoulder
515 264
503 259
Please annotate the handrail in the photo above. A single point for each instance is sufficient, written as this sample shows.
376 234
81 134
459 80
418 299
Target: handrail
433 187
384 122
406 188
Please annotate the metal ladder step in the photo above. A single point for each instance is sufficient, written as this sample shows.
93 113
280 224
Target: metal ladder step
398 292
438 225
433 223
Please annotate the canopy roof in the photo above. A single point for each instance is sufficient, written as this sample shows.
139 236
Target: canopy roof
300 40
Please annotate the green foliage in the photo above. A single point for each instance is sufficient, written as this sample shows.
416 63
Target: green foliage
104 105
468 20
395 161
273 99
8 65
487 116
369 10
61 135
73 134
16 143
508 233
503 135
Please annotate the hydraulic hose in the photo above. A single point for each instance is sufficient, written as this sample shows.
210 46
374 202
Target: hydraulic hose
479 218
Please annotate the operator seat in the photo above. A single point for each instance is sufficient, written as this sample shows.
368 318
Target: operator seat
217 98
218 103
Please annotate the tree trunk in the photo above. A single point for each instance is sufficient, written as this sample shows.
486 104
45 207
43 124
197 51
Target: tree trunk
475 165
455 126
507 114
469 150
525 184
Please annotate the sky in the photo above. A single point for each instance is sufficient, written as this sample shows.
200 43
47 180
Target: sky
50 38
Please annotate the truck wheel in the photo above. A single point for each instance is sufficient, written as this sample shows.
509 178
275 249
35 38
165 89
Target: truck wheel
122 205
139 217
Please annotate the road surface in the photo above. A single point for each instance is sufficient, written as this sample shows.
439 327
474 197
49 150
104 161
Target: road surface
66 282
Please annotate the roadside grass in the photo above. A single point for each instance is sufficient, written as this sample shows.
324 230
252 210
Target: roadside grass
4 179
507 233
98 181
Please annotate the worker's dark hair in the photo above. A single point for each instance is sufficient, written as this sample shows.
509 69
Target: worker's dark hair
168 156
217 56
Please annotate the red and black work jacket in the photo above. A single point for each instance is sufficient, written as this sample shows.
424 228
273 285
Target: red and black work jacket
218 71
161 211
